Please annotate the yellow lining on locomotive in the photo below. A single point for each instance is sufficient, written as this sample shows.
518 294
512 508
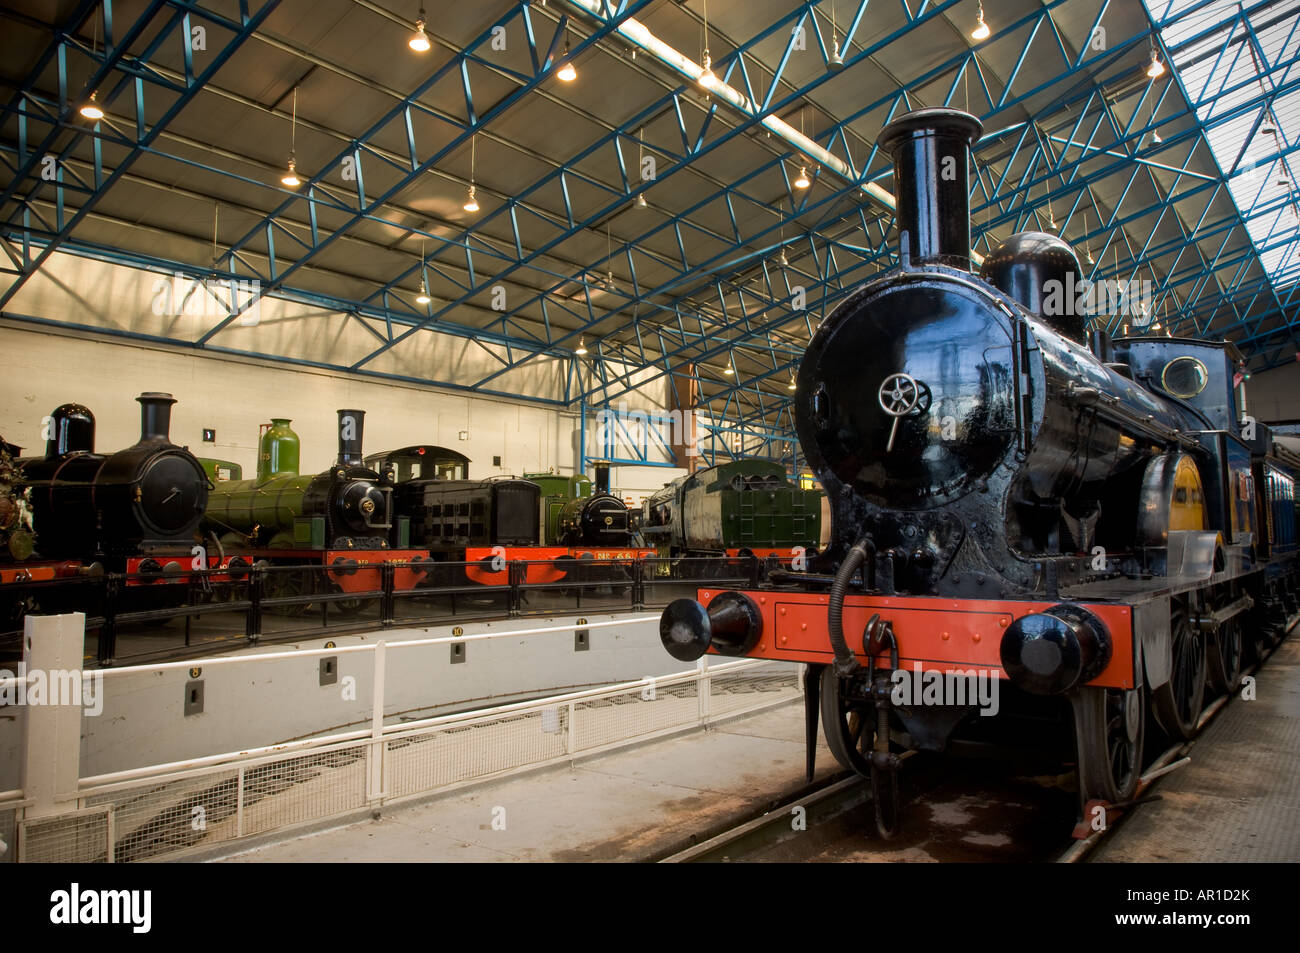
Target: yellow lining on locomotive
1187 507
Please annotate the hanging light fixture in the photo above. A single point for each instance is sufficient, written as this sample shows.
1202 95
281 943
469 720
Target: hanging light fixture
609 261
782 260
423 296
791 385
582 347
835 61
419 40
290 178
640 159
91 110
471 203
981 31
1268 127
1155 69
729 370
803 181
567 73
706 75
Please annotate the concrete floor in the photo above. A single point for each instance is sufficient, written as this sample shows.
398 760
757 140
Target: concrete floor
624 806
1239 798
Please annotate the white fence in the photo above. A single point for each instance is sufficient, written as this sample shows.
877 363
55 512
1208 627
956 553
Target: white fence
162 809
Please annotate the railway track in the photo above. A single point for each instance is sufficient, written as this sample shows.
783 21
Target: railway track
953 810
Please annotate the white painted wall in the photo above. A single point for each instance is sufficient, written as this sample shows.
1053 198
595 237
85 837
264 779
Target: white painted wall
1275 394
233 394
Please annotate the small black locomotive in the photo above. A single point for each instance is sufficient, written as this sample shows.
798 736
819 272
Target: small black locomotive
135 510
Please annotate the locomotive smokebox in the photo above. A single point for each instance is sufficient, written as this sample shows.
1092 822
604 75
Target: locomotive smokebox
351 427
1051 652
931 153
732 624
72 430
155 417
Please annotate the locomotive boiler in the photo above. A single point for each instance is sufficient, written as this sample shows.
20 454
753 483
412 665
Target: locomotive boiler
1012 496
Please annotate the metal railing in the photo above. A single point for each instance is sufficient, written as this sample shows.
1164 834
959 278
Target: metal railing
137 617
202 802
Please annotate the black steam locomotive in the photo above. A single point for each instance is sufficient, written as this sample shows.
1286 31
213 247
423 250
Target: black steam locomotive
132 511
74 512
1070 518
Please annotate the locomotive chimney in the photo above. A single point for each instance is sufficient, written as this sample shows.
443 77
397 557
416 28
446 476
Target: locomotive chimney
155 417
931 153
72 430
602 475
351 425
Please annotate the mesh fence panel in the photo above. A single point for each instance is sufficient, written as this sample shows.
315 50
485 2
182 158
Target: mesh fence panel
160 817
304 788
734 692
8 831
635 713
80 838
433 759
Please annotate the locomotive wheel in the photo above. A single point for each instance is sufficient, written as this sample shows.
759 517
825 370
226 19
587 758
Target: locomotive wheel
1178 702
286 583
849 725
1225 657
850 728
1109 727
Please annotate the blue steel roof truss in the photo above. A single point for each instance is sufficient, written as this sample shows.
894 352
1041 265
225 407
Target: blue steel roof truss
703 311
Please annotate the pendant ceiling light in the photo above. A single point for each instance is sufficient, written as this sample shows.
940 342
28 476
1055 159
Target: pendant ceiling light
1155 69
791 385
92 110
981 31
640 160
582 347
706 76
567 72
419 40
471 203
803 181
290 178
834 61
423 296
